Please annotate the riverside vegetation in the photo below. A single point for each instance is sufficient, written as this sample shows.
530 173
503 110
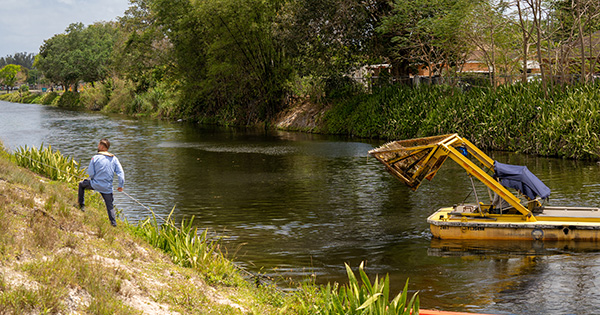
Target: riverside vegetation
561 122
242 61
516 118
57 259
249 62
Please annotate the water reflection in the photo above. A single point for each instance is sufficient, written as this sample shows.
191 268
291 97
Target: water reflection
292 205
508 249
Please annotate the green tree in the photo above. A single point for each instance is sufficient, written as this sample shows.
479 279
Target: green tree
429 33
81 54
243 57
331 37
8 75
99 40
186 34
226 56
21 59
33 76
143 53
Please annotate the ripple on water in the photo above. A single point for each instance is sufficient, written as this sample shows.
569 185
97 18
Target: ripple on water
293 205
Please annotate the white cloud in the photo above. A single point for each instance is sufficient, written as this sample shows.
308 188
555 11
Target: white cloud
25 24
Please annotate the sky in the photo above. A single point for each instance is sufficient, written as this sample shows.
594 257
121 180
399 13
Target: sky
25 24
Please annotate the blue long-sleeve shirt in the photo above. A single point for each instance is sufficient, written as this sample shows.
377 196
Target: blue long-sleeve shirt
101 170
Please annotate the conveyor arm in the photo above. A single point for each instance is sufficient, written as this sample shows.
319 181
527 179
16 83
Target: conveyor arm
413 160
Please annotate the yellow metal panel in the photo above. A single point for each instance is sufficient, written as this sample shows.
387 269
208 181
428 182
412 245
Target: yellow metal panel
512 227
505 233
487 180
479 155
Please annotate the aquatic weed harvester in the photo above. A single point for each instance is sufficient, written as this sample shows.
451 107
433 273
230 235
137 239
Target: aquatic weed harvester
508 216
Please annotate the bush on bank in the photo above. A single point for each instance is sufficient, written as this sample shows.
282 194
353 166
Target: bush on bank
50 98
513 117
120 96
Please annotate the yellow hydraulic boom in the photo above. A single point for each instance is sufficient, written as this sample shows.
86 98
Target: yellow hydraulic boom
413 160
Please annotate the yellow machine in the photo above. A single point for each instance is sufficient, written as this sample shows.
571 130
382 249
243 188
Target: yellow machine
505 218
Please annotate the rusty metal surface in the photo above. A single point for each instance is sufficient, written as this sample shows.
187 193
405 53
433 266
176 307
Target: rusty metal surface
403 158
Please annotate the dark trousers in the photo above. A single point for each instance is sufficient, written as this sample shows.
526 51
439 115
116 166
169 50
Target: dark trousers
108 200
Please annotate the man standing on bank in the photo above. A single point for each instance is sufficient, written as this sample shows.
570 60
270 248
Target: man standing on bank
102 168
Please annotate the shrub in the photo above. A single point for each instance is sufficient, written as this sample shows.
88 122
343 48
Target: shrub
187 247
94 97
48 98
68 99
51 164
512 117
122 97
357 298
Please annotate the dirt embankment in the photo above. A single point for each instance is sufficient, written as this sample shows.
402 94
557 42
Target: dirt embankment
302 115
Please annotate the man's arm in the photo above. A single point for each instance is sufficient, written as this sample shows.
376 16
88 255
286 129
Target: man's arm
119 171
91 170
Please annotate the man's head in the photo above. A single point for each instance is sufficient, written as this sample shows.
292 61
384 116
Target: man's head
104 145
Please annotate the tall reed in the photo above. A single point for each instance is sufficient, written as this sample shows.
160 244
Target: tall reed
51 164
359 296
187 247
516 117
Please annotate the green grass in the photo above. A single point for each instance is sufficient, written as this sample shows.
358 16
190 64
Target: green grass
188 248
36 226
67 271
50 250
358 296
49 163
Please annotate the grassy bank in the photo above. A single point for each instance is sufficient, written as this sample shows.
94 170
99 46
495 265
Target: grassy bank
56 259
513 117
49 98
112 96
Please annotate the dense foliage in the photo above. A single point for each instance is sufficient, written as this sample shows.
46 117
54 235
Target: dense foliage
244 62
8 75
513 117
226 57
81 54
22 59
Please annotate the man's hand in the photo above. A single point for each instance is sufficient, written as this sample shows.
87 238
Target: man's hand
120 189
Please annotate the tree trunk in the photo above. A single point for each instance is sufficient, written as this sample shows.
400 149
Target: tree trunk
581 40
525 42
493 48
400 71
536 7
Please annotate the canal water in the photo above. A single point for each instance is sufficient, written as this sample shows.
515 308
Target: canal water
295 206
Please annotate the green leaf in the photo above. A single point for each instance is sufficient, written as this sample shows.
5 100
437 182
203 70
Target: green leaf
370 301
